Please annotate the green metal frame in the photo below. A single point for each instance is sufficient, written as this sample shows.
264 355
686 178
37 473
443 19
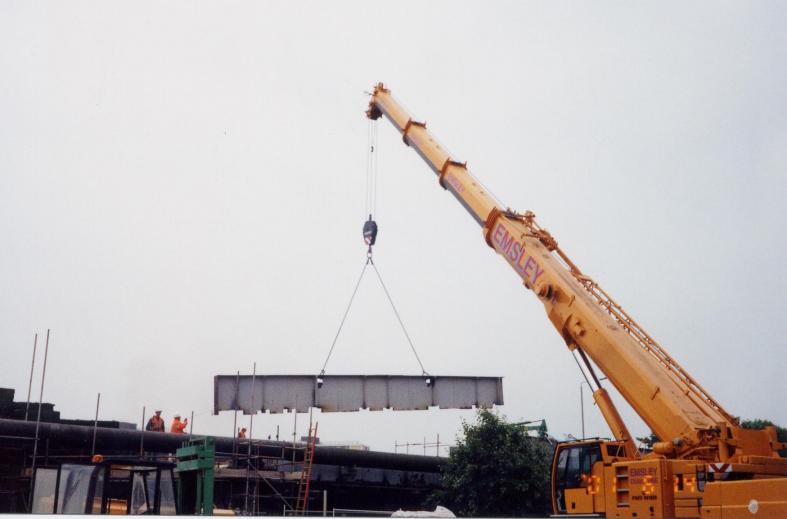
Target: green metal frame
196 459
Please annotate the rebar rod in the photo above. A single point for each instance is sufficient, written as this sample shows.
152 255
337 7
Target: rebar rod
95 426
30 382
251 426
142 436
38 419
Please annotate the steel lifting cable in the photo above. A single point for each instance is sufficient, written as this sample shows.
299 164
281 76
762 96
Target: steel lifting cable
367 209
344 317
396 312
374 152
370 261
371 169
370 226
370 235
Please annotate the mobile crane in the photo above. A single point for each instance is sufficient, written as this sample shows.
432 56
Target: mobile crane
706 465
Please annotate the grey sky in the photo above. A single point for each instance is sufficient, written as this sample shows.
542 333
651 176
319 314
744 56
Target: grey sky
181 194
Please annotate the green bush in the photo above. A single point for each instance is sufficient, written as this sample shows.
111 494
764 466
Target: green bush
496 469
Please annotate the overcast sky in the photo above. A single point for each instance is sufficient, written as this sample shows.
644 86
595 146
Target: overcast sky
182 194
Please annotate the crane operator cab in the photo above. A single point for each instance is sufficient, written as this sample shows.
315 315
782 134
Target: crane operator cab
578 475
572 476
597 477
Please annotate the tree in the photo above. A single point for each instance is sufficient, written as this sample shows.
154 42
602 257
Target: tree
496 469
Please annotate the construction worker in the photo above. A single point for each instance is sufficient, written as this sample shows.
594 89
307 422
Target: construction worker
178 427
156 423
241 433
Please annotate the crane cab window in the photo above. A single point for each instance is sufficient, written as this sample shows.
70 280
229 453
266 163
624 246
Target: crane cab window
572 463
615 450
579 461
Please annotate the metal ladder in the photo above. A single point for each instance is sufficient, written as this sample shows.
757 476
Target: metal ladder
302 503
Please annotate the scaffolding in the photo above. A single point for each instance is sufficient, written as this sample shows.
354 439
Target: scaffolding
284 478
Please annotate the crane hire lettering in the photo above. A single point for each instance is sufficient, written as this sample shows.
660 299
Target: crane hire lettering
514 251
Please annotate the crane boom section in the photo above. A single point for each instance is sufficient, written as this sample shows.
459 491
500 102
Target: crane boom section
453 175
665 396
659 397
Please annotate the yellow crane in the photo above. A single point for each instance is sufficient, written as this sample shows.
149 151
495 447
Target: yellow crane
706 465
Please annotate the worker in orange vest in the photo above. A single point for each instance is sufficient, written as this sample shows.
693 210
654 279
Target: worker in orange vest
242 433
178 427
156 423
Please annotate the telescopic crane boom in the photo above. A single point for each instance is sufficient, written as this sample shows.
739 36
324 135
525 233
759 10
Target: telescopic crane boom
690 423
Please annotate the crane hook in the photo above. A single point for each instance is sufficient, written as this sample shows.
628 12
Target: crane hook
369 235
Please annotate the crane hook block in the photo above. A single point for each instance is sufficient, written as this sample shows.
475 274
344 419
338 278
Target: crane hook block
370 231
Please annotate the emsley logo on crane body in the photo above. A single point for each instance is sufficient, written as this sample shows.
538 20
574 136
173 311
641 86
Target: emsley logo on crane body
515 253
454 182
